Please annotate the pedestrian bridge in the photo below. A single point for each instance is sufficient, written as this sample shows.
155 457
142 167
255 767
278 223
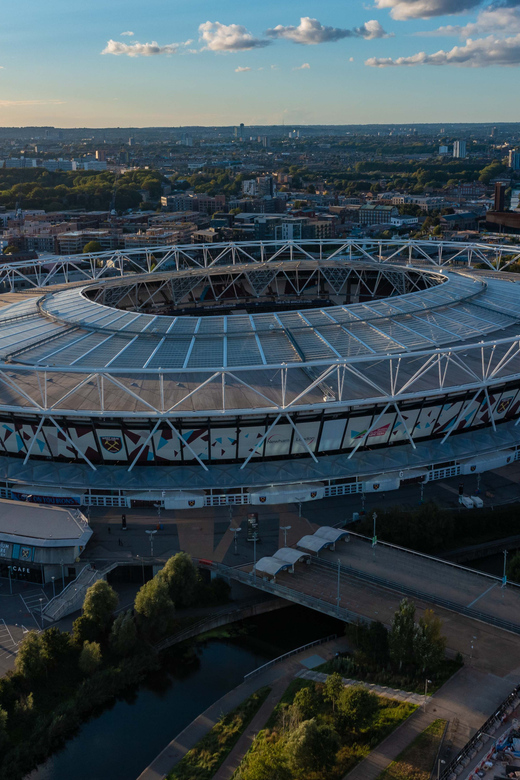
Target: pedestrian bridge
341 581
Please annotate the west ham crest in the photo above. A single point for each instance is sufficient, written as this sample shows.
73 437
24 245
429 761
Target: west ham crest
111 444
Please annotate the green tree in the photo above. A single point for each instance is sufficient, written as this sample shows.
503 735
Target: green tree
55 647
305 703
154 609
29 662
123 635
90 657
429 643
92 246
182 579
267 762
312 747
3 727
333 688
85 628
513 568
357 706
100 602
401 636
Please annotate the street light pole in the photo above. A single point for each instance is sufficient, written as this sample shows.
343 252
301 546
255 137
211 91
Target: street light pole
255 538
41 612
504 575
374 536
285 528
235 531
426 691
53 587
151 534
338 597
439 768
62 576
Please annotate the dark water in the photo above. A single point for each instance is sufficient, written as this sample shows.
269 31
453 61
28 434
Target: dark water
121 742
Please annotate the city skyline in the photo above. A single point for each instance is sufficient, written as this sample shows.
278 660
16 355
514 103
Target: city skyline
174 63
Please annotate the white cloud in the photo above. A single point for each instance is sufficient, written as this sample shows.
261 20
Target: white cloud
479 53
492 19
305 66
351 59
372 29
8 103
425 9
128 32
228 37
310 32
242 70
140 49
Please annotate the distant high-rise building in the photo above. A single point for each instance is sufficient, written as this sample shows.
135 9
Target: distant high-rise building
131 141
101 154
459 149
264 140
514 159
186 140
241 131
500 192
443 150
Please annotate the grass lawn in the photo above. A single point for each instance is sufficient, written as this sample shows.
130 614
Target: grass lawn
416 761
383 677
202 761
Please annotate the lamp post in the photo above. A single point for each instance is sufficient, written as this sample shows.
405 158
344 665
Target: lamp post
53 587
151 534
62 576
338 597
285 528
426 691
374 535
504 574
255 539
41 612
441 761
142 564
235 532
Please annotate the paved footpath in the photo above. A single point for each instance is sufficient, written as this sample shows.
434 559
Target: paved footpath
285 670
466 701
380 690
235 758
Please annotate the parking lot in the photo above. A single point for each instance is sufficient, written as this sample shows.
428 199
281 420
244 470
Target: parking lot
20 612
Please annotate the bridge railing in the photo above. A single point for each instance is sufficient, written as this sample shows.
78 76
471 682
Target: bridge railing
289 654
440 561
453 606
483 734
291 595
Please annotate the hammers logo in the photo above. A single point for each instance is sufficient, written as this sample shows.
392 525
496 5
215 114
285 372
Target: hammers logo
376 486
112 443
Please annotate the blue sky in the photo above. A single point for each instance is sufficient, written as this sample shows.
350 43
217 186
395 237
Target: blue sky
98 63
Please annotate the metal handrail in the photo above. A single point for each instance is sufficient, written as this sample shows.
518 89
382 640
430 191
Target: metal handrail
453 606
442 561
291 595
289 654
490 722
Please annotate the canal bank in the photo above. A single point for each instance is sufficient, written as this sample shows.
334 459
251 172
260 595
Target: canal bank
125 738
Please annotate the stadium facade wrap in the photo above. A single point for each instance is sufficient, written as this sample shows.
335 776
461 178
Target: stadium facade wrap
256 373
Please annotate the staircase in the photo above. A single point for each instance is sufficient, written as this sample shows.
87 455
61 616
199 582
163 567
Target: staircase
72 597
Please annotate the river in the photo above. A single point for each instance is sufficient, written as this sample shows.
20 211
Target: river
124 739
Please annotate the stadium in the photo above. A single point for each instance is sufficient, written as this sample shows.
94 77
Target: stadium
256 372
